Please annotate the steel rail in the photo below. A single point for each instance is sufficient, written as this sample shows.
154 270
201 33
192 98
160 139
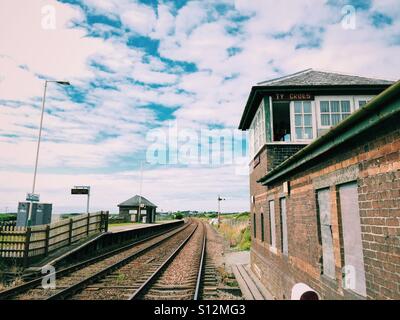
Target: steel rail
201 266
67 292
8 293
146 285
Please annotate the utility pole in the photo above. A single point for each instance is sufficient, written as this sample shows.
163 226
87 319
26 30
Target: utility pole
140 192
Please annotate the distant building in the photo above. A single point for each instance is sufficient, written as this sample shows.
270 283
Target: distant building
324 186
129 210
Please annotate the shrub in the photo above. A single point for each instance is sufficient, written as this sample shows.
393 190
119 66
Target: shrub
237 233
8 217
178 216
245 242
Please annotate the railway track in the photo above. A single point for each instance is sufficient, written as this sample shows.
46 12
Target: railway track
181 276
67 277
170 266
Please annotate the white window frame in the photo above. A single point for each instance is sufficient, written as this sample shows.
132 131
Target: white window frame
251 140
330 98
357 100
293 126
258 131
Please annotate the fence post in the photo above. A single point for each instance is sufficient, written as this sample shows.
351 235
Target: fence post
88 224
106 222
1 240
46 247
102 221
70 231
26 247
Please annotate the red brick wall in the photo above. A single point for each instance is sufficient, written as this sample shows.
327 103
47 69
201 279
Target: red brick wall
374 161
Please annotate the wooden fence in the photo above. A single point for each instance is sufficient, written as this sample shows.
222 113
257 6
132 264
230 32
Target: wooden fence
25 244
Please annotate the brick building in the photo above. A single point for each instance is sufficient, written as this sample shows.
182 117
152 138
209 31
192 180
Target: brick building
325 186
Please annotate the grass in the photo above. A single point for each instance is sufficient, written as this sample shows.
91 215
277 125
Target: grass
244 216
236 230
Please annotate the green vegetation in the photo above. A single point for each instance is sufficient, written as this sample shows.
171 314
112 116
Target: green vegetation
178 216
7 217
245 241
237 216
236 230
164 217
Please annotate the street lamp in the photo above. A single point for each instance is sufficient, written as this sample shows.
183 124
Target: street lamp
32 196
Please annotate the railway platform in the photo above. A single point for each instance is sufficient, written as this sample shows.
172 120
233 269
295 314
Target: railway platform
116 235
132 226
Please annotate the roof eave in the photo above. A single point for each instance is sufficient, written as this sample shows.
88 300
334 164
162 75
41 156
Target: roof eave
257 92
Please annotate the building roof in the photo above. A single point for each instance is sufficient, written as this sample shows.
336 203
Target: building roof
384 106
311 81
134 202
312 77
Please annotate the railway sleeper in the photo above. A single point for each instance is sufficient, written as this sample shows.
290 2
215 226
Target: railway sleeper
169 297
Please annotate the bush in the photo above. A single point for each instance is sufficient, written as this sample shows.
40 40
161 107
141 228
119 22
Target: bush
178 216
8 217
245 241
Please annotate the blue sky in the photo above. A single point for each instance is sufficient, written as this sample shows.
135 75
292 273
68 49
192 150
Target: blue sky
139 66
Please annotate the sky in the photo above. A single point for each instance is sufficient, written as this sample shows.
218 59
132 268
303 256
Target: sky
147 73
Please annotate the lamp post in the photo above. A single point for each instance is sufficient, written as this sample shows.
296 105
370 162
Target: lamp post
32 196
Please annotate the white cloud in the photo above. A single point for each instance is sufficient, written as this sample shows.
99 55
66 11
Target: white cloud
15 82
193 14
140 18
165 22
59 53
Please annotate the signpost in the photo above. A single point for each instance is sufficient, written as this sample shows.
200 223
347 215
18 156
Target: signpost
219 208
32 197
82 190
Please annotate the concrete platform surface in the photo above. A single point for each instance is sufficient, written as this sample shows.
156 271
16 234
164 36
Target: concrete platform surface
132 226
234 258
